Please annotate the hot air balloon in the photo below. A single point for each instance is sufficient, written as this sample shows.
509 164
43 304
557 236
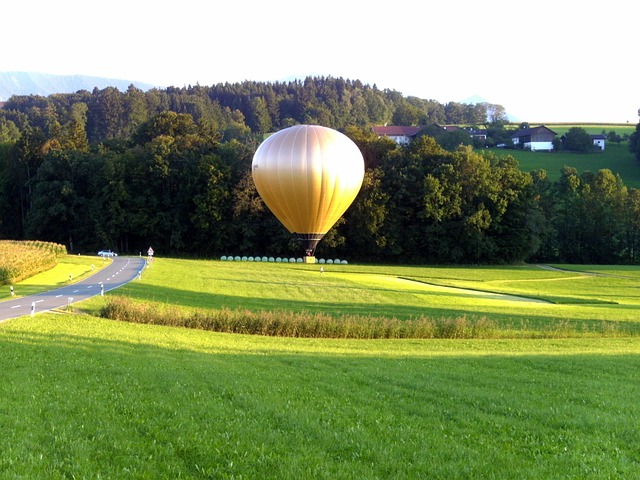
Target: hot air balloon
308 176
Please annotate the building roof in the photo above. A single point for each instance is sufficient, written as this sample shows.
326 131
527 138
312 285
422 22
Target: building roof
396 131
448 128
477 133
525 132
598 136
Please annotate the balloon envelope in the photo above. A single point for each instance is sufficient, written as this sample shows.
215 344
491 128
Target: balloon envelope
308 176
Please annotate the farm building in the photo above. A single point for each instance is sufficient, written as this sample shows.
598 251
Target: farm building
473 133
598 141
447 128
534 139
402 135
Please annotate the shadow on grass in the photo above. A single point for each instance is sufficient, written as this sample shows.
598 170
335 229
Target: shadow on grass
191 299
509 325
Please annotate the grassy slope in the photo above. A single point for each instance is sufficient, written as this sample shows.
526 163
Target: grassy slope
616 158
92 398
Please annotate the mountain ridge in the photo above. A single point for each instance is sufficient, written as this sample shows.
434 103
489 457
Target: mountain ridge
45 84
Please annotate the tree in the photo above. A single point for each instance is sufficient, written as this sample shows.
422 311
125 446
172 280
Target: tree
496 114
365 219
406 114
613 137
452 140
105 118
603 201
632 227
578 140
373 148
455 113
210 191
59 210
259 119
634 142
568 217
9 132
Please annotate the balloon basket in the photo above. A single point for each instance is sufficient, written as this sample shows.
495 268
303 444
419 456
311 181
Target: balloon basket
309 259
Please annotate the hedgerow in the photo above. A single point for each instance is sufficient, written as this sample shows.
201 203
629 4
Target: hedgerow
23 259
295 324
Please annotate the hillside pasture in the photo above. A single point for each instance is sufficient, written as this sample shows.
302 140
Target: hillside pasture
616 158
592 128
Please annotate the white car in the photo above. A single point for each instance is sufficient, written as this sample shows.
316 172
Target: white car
107 253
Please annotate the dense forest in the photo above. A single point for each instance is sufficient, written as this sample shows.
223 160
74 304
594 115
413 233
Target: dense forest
171 168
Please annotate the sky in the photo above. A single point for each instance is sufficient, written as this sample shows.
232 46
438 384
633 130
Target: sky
545 61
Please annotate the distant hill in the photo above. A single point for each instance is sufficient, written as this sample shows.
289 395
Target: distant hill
27 83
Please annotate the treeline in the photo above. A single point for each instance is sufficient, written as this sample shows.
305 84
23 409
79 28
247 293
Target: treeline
234 110
171 169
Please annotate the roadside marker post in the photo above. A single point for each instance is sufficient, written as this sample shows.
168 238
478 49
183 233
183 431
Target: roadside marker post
33 308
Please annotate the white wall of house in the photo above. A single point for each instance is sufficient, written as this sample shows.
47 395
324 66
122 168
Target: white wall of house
599 143
535 146
400 139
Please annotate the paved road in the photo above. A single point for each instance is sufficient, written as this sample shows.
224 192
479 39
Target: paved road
122 270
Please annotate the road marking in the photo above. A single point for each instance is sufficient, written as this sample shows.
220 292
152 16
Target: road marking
76 291
38 301
16 306
58 296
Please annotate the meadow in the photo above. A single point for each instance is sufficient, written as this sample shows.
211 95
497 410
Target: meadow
521 300
616 158
593 128
87 397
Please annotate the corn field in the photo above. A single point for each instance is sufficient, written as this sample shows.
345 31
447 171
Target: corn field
23 259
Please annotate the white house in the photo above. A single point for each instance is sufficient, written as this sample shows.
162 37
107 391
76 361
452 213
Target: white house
534 139
402 135
598 141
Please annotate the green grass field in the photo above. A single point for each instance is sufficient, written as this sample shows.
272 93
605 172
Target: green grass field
592 128
616 158
91 398
518 298
84 397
